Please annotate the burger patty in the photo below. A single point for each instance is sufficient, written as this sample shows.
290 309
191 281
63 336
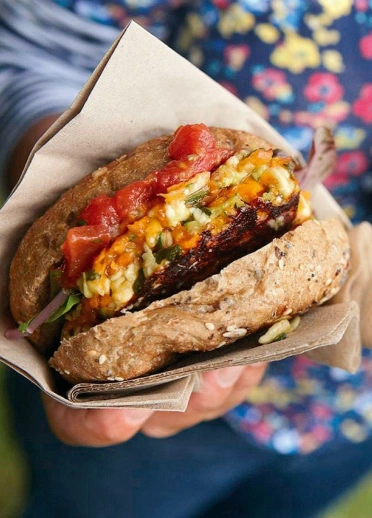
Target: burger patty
247 230
190 233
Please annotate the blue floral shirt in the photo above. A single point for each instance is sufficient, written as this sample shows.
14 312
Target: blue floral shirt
300 64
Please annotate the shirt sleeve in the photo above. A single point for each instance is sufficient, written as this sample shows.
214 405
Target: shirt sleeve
47 53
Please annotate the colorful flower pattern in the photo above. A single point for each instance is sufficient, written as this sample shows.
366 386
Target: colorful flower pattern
323 87
362 107
365 45
300 64
272 83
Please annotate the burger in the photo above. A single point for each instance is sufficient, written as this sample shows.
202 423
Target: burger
188 243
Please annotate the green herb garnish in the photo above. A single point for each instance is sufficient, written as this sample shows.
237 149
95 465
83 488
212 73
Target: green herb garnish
69 303
170 254
257 172
138 283
268 196
22 328
160 241
92 275
195 198
206 211
282 336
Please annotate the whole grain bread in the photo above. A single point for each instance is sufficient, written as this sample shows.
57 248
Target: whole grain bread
40 249
304 268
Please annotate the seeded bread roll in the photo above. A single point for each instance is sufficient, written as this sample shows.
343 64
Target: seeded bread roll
304 268
40 249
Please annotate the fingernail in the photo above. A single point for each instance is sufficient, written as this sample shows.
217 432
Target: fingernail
137 415
229 375
157 433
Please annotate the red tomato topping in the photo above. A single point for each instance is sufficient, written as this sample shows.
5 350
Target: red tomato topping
80 247
192 139
132 202
100 211
179 171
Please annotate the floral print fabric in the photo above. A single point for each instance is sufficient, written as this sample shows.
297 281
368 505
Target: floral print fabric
300 64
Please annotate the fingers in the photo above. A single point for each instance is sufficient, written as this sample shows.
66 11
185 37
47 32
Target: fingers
221 391
93 427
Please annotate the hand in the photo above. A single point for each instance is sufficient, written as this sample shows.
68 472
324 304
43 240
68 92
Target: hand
221 390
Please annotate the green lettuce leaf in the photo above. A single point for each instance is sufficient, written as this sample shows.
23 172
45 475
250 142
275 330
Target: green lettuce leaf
70 302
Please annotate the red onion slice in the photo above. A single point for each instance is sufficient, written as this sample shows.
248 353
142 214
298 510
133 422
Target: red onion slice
322 160
48 311
13 334
54 304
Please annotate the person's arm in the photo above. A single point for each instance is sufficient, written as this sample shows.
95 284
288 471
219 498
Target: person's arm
45 59
23 149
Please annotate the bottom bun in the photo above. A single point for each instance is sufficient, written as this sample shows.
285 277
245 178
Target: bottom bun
304 268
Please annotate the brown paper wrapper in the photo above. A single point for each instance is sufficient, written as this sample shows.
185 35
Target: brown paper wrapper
141 90
358 287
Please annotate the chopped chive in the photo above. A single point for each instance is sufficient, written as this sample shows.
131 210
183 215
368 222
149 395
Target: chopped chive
138 283
195 198
160 241
206 211
282 336
92 275
170 254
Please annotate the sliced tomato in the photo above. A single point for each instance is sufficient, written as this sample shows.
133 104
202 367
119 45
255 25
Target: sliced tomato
180 171
100 211
81 246
133 201
191 139
213 159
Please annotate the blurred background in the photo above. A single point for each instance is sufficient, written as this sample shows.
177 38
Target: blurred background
14 476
